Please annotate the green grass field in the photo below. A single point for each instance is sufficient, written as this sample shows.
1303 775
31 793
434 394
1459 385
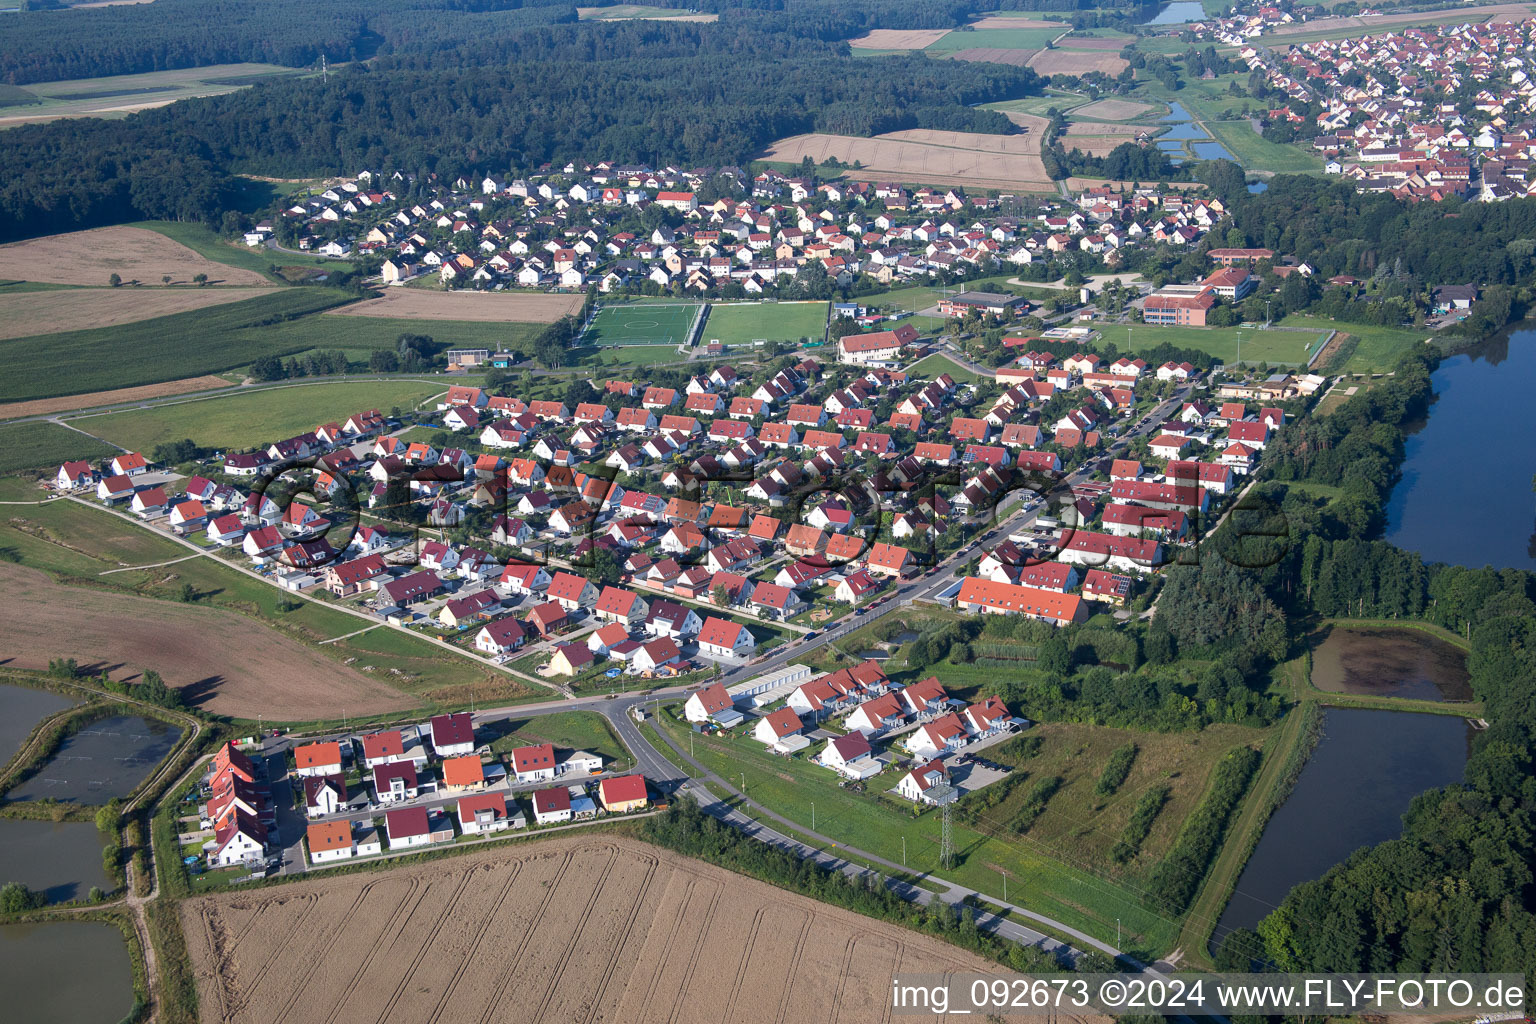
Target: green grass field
1274 347
741 324
45 446
931 366
115 96
995 39
1038 877
162 348
629 355
241 420
1257 153
1378 349
206 243
641 325
567 730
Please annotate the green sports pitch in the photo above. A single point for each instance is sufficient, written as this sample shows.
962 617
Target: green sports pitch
641 324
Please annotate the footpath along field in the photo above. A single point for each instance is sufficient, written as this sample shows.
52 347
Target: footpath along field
551 932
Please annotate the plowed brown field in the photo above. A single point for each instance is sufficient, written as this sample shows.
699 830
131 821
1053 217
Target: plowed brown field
931 157
480 307
993 55
898 38
135 254
1077 62
559 931
224 662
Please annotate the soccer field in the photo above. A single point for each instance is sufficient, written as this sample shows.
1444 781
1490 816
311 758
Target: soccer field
641 325
744 323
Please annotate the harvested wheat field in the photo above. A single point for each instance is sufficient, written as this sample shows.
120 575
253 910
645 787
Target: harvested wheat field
1077 62
929 157
1103 128
135 254
1003 21
226 663
23 314
68 403
899 38
478 307
1499 13
558 931
993 55
1093 145
1116 43
1113 110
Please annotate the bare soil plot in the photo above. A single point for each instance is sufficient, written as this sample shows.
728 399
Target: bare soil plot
1077 62
1471 15
1113 110
134 254
1003 21
226 663
1101 128
557 931
1116 43
47 406
1093 145
993 55
26 313
898 38
477 307
929 157
639 12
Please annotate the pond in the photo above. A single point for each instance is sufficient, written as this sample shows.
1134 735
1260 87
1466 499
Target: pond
1183 131
65 972
1486 519
61 859
1366 770
106 759
21 708
1179 12
1389 662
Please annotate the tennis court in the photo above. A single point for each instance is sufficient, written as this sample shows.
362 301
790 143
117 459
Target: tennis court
641 324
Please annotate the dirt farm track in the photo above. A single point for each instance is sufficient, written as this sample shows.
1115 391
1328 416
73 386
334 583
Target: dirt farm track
559 931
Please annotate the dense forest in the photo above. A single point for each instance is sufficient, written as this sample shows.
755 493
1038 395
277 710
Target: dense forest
694 94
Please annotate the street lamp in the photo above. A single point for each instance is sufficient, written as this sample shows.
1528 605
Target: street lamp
813 815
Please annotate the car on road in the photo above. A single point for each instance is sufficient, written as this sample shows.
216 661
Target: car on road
811 635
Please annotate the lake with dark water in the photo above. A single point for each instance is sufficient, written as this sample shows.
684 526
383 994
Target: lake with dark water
21 708
65 972
60 859
1465 496
105 759
1367 768
1178 13
1389 663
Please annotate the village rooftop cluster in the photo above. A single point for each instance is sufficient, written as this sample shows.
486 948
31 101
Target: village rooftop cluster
787 499
553 231
1387 133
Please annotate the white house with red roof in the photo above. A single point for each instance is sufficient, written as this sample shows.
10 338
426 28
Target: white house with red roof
850 755
128 464
712 703
551 806
989 717
453 735
928 783
74 475
925 697
938 737
876 716
395 781
485 812
412 826
237 839
226 531
725 638
534 764
778 726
